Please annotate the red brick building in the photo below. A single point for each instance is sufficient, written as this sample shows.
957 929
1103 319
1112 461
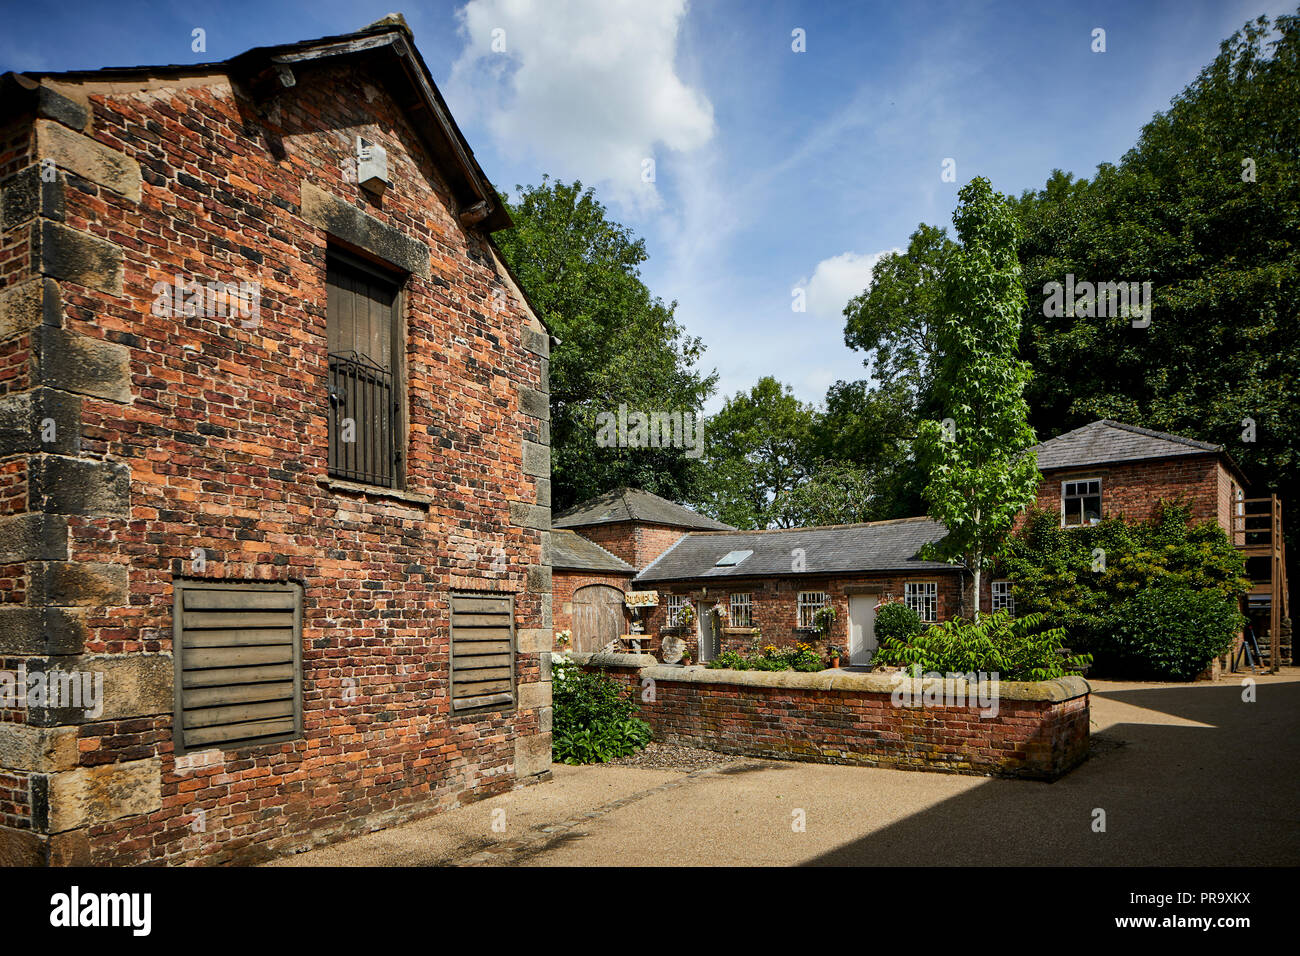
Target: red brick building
768 584
274 460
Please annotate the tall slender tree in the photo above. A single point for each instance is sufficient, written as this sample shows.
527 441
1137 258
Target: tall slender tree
980 475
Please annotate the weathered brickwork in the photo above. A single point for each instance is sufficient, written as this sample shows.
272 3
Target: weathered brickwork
192 436
1133 489
775 606
1040 731
635 542
565 583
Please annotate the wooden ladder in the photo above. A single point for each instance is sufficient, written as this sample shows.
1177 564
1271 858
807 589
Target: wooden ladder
1258 534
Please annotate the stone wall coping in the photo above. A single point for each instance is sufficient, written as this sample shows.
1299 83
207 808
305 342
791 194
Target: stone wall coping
1053 691
598 659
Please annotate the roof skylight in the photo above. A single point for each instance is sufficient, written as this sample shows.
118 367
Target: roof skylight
732 558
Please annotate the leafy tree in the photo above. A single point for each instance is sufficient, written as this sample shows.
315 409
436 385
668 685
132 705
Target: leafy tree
1206 207
618 342
980 477
871 429
758 450
833 493
895 319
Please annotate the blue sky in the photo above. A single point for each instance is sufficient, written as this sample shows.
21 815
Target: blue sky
773 170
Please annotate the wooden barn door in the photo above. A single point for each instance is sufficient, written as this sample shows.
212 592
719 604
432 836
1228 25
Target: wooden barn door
598 617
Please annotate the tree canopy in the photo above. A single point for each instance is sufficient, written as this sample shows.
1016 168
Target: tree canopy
619 344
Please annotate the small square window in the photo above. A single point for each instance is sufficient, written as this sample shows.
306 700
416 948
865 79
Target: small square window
1002 597
676 603
742 611
923 598
1081 502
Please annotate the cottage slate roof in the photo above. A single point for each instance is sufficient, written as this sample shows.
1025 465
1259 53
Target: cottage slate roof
831 549
1105 441
571 551
633 504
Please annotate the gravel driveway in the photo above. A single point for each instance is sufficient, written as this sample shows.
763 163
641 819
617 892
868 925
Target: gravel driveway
1185 775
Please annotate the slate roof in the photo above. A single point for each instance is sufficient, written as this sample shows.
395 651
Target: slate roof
571 551
1106 441
633 504
832 549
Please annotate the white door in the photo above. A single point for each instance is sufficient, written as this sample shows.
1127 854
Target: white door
706 632
862 628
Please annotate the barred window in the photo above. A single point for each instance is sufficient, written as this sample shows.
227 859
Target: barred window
742 611
923 598
365 387
1002 596
676 603
809 602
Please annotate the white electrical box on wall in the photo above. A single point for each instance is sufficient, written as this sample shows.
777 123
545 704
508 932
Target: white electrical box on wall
372 166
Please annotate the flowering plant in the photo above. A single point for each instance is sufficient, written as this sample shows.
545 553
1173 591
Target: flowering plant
564 638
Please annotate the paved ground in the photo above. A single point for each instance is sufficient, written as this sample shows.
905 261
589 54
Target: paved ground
1186 775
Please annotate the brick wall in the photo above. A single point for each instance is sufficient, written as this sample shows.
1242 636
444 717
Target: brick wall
636 543
1040 730
1133 489
178 433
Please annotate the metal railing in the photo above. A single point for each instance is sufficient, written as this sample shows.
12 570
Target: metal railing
362 421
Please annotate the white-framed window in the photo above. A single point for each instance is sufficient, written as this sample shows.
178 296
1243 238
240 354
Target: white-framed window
675 604
809 602
923 598
1002 597
1080 502
742 610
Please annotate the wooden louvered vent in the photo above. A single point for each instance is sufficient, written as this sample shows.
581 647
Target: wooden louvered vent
482 651
238 664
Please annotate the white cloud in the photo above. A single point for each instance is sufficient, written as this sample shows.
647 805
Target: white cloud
588 87
837 280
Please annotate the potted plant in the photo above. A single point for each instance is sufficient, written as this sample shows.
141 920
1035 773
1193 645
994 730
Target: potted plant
686 657
835 655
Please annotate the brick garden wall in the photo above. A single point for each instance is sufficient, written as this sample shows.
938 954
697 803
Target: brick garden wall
178 433
1040 731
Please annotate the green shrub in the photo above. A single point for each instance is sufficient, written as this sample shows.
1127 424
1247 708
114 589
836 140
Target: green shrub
1169 632
1055 571
801 657
896 621
1013 648
730 660
593 717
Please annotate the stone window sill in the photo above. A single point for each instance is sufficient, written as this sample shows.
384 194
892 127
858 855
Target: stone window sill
374 491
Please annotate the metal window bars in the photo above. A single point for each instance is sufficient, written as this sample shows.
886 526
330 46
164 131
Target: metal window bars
363 419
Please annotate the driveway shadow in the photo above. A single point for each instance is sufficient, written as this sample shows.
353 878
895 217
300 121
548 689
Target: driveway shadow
1201 779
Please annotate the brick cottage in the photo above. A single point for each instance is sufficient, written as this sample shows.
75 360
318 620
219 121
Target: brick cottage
769 584
274 464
